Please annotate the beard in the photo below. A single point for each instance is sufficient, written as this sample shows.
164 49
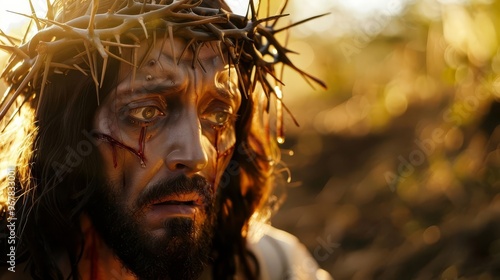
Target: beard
181 253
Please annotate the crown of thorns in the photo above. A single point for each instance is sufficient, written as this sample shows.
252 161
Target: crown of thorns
61 45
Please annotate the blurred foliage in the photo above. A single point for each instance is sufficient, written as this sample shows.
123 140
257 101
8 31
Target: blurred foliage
399 162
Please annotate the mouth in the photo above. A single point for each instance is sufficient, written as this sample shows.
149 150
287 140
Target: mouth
174 206
189 199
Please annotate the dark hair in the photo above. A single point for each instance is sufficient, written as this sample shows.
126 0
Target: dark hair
62 179
56 176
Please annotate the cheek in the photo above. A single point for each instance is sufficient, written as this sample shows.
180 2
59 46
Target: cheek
224 141
108 157
128 177
223 152
115 162
119 152
228 169
104 124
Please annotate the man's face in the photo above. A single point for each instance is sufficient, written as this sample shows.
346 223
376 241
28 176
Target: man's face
166 135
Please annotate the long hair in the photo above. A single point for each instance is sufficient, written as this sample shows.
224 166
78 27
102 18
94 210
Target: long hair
63 179
63 172
57 172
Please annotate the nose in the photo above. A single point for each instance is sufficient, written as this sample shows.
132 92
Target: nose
186 151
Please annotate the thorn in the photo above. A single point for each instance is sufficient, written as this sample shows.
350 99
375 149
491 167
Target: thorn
91 60
150 49
186 47
117 38
254 12
221 54
241 80
112 9
103 71
15 50
281 11
119 58
47 61
7 37
100 48
80 69
133 37
290 114
111 43
141 22
93 12
197 57
27 32
94 74
134 70
300 22
275 78
50 10
34 17
171 39
94 77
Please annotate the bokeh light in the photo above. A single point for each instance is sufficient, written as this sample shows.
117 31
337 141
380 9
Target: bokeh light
399 160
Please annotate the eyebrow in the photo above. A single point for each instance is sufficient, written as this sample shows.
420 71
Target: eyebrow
155 89
226 94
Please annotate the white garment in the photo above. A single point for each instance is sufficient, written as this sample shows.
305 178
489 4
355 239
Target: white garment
282 256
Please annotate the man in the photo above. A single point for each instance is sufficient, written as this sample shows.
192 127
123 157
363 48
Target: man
150 156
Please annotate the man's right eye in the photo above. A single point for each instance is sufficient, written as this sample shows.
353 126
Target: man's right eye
145 114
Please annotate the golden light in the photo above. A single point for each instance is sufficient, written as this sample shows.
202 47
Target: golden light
14 24
431 234
12 21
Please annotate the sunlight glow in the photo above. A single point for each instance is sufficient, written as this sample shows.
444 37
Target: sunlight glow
345 16
14 22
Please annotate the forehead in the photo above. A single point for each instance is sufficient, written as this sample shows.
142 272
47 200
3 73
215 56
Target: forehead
173 59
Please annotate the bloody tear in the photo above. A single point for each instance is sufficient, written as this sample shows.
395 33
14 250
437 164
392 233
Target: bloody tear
115 143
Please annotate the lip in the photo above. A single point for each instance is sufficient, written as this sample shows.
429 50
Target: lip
173 210
179 205
188 199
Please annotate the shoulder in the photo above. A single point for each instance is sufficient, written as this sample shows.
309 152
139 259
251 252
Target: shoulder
282 256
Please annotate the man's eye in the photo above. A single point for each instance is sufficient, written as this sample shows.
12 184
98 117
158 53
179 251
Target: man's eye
218 118
146 114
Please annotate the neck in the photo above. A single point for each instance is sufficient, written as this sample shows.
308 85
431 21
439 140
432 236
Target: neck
98 261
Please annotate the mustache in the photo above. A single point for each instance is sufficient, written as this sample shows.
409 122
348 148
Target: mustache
176 186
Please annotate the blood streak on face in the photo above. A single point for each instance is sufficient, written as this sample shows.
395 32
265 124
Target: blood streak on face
115 143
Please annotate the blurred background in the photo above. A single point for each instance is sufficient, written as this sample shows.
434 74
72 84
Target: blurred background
396 166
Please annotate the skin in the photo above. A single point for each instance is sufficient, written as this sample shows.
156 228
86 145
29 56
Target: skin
186 117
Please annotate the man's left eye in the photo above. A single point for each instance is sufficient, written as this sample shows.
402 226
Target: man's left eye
218 118
146 114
